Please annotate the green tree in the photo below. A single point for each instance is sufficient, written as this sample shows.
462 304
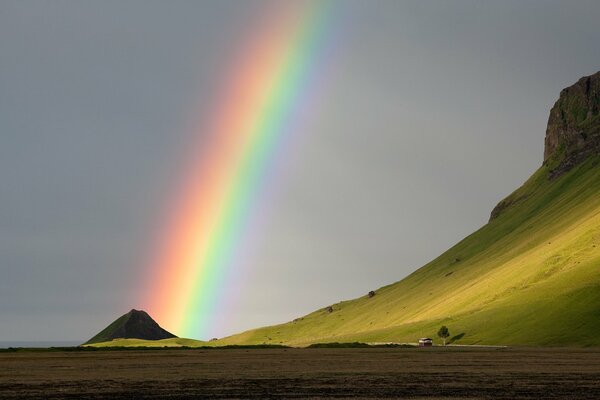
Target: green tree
444 333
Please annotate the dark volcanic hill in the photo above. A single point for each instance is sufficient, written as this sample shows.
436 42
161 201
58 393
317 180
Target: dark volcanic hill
135 324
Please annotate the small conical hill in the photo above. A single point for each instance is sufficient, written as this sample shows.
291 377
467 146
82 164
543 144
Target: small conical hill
133 325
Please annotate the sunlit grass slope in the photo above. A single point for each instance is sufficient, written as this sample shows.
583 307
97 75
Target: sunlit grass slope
531 276
173 342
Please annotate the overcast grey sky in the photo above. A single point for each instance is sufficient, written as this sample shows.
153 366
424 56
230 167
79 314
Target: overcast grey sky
435 111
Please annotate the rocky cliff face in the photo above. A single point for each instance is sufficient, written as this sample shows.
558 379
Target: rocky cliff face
573 132
572 135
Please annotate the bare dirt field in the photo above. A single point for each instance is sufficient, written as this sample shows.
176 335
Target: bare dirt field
303 373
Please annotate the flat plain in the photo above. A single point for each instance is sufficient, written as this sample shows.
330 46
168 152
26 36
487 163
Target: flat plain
440 373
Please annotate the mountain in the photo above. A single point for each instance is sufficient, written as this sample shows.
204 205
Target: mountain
530 276
133 325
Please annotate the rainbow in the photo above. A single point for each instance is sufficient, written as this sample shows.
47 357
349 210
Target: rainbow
270 80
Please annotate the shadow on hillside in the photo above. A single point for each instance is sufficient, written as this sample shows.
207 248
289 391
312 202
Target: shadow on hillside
456 337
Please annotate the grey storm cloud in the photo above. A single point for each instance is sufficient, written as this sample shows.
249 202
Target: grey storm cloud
435 110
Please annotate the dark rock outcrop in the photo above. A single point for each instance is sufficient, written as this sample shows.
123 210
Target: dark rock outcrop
133 325
505 204
573 132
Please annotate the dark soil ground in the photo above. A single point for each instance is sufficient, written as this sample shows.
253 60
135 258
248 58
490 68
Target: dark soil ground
303 373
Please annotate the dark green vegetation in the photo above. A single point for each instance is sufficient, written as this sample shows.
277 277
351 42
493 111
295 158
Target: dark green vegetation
134 324
303 373
357 345
170 346
531 276
444 333
91 348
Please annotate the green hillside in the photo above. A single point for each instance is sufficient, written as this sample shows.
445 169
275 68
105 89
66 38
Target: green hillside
530 276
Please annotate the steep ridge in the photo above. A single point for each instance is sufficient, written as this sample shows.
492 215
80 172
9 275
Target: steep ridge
530 276
133 325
